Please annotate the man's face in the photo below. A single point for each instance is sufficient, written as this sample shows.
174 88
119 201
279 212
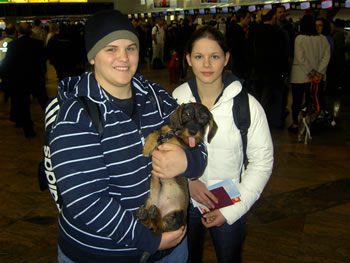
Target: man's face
280 14
319 26
246 20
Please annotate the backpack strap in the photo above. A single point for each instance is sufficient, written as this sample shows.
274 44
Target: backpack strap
241 117
51 111
93 112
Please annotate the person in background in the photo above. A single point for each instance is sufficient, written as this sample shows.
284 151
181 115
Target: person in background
288 31
311 58
158 40
138 24
38 31
208 54
9 34
237 40
287 28
63 52
268 67
103 179
222 25
53 30
337 78
323 27
25 69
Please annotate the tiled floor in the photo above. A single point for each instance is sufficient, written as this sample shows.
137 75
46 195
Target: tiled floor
302 216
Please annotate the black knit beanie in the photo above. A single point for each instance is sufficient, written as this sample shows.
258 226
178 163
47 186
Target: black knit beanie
104 27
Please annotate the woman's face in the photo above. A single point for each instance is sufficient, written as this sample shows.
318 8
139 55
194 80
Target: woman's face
207 60
319 26
116 64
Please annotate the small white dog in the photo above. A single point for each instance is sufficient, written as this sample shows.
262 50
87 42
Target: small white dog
306 118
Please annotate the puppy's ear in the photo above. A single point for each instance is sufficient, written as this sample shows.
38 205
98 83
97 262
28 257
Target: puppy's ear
212 129
175 118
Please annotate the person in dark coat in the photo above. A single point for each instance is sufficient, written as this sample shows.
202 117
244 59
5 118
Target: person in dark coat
25 65
268 60
141 33
63 54
237 41
9 34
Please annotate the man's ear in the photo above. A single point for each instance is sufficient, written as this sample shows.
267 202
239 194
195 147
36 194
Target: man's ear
92 61
188 59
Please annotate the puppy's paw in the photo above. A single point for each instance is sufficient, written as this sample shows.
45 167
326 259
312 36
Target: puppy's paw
147 152
153 212
150 144
141 213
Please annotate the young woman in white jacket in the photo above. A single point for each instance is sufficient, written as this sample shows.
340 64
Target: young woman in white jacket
208 55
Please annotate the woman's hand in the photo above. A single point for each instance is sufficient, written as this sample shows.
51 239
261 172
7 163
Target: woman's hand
213 218
201 194
168 160
172 238
318 76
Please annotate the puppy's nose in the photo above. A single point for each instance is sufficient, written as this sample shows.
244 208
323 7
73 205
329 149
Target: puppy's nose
192 130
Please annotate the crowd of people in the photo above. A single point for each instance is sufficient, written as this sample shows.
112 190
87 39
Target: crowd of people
26 48
262 47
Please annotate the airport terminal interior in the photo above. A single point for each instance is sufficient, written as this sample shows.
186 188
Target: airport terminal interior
302 215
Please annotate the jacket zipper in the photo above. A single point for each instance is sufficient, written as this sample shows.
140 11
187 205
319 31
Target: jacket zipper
141 137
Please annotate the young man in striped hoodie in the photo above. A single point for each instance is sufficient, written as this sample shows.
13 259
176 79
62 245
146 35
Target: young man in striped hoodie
103 179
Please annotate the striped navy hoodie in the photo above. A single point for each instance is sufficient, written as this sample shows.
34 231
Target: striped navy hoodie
104 179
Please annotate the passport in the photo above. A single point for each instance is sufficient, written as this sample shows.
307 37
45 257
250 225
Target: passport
224 199
225 191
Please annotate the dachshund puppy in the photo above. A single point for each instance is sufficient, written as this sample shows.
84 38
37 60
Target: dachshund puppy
166 206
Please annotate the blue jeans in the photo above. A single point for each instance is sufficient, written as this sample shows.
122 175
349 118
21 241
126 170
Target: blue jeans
227 239
62 258
178 255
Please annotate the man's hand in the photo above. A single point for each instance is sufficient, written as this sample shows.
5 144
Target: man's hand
213 218
168 161
201 194
172 238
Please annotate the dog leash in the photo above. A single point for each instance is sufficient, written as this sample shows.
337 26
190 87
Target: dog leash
313 95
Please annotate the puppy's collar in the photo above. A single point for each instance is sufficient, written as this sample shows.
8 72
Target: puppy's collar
162 138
